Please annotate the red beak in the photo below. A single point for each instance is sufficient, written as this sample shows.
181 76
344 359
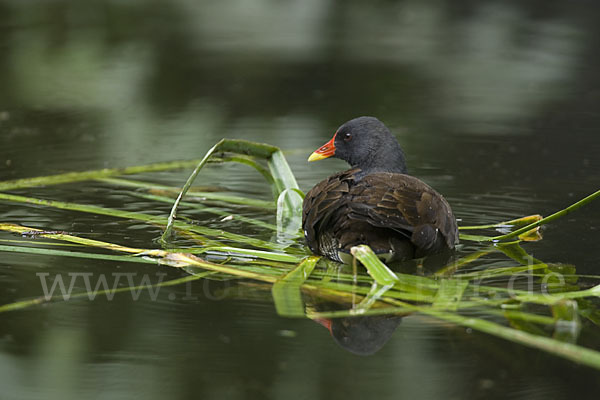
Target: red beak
327 150
325 322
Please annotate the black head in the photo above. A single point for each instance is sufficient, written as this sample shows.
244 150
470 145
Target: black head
366 143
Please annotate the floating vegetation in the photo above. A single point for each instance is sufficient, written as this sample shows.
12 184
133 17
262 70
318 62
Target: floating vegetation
534 303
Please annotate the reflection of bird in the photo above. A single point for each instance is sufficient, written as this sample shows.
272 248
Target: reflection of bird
362 335
374 202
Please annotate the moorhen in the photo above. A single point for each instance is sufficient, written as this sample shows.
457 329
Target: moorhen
375 202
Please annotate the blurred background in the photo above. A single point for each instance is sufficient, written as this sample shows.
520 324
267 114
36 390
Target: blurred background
496 104
118 79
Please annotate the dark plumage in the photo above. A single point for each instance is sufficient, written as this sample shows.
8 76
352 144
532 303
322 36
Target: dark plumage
375 202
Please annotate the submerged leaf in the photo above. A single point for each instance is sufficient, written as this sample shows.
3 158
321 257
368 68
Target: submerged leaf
286 291
568 324
375 267
449 294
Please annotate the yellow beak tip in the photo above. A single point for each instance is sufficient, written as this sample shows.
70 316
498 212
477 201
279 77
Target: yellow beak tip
316 157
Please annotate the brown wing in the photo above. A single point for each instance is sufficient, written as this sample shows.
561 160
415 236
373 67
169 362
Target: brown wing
407 205
342 211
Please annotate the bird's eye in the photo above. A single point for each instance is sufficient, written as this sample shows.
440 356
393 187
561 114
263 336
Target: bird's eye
347 137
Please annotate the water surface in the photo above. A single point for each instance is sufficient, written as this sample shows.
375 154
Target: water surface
495 105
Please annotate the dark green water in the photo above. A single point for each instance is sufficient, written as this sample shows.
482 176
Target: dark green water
497 105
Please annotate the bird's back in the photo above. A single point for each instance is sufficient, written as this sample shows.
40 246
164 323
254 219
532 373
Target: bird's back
393 213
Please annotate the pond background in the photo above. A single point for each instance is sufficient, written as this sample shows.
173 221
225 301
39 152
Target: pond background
496 104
